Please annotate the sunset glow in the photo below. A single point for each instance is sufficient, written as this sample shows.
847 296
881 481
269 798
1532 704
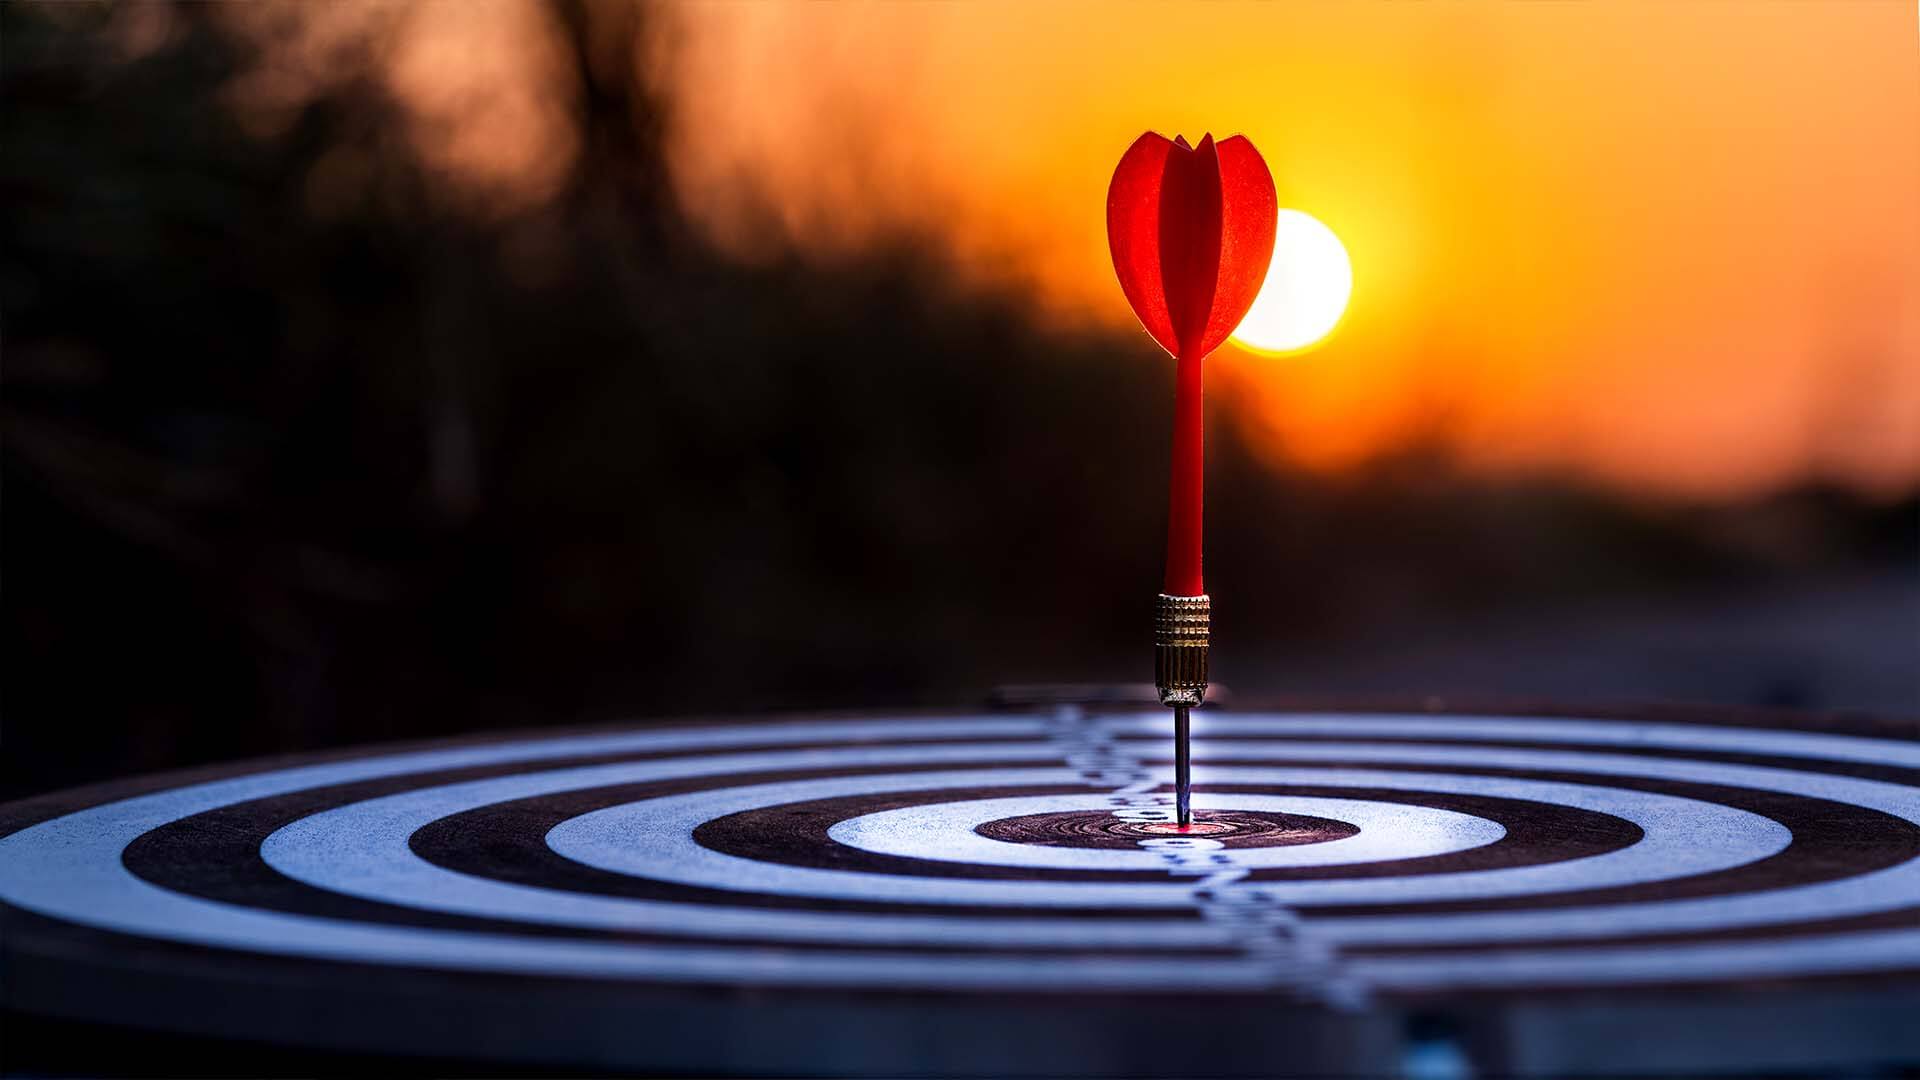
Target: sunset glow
1673 247
1306 290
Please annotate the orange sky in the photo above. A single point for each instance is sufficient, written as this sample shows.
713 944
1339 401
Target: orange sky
1676 246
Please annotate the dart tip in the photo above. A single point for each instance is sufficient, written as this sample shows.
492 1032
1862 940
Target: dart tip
1182 769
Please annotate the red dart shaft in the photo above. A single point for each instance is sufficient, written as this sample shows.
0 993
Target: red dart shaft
1184 496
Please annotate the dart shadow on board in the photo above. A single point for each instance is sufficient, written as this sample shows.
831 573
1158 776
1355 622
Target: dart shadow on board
402 374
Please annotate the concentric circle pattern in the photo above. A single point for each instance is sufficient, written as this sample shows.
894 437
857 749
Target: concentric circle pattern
1344 859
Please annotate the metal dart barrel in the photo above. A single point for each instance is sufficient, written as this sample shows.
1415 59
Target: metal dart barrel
1181 628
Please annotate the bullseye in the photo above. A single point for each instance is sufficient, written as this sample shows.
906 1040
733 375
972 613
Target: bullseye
1098 829
1200 826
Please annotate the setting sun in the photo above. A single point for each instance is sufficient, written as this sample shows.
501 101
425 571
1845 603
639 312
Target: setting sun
1306 289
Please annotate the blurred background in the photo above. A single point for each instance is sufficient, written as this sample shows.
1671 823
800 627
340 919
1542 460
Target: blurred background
388 370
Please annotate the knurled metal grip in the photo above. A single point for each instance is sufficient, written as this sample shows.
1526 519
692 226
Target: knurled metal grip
1180 630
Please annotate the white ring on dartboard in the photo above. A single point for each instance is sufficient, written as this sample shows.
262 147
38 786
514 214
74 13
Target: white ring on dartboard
944 832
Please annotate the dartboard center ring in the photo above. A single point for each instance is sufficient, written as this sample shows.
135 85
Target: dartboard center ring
1228 828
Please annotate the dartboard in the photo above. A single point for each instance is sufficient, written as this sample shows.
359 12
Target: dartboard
1005 892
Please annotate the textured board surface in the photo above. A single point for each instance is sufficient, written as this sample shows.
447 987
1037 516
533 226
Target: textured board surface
998 893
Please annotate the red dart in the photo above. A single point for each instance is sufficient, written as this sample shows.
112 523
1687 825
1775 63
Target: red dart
1191 228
